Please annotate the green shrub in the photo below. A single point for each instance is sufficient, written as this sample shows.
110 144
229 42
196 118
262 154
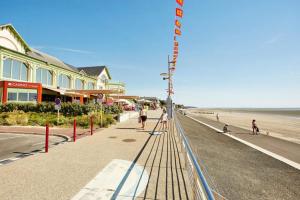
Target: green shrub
83 121
11 119
21 118
37 119
67 109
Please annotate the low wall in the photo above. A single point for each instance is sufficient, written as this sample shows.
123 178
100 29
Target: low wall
127 115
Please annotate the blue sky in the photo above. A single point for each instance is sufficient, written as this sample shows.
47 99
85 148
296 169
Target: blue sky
233 53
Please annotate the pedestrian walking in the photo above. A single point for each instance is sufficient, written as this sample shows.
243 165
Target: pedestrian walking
255 129
217 116
143 116
164 120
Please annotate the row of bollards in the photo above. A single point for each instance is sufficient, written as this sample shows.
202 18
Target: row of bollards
74 133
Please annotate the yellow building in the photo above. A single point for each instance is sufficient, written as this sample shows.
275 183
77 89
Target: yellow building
28 75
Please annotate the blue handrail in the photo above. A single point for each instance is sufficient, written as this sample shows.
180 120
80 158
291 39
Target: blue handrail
207 189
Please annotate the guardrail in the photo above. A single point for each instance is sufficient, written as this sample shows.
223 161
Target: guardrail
201 189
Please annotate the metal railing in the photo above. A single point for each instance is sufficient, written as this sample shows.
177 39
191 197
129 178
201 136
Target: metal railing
200 187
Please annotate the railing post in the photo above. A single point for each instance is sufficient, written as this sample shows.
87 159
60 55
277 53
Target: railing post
47 138
74 129
91 125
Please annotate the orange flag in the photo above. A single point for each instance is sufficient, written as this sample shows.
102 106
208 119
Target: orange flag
180 2
177 23
175 44
177 32
179 12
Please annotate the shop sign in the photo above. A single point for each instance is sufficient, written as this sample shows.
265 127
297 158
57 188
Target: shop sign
22 85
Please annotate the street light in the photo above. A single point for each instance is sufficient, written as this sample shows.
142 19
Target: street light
164 74
168 76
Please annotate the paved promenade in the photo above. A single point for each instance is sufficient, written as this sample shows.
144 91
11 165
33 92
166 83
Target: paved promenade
154 167
237 171
287 149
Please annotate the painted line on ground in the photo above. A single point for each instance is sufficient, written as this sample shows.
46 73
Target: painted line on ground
214 128
269 153
107 181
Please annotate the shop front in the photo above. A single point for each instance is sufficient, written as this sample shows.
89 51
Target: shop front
24 92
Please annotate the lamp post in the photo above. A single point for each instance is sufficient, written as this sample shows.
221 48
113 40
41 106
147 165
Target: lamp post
168 76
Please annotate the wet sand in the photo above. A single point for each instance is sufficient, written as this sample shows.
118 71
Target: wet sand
281 123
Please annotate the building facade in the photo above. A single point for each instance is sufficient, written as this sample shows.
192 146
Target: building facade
28 75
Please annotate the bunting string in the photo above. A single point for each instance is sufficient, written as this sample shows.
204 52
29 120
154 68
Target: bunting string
177 31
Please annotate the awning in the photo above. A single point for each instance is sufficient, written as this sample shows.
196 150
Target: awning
97 91
124 97
66 92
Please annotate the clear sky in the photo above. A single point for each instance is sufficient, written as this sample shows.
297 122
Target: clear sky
233 53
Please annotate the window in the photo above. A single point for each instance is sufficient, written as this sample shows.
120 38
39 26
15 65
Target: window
44 76
32 96
103 79
64 81
12 96
23 96
91 85
7 68
17 94
14 69
78 84
24 72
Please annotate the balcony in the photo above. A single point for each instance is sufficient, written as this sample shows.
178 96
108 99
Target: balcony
115 86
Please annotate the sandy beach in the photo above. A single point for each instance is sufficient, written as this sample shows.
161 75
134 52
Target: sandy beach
281 123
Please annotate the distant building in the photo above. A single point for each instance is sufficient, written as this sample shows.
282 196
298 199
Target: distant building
28 75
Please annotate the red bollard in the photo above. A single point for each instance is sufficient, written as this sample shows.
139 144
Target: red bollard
91 125
47 138
74 130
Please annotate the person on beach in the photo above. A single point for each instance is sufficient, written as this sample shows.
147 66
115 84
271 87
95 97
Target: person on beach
164 120
143 116
225 128
255 129
217 116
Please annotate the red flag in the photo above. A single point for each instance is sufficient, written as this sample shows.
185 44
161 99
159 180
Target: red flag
175 52
176 48
179 12
177 32
180 2
177 23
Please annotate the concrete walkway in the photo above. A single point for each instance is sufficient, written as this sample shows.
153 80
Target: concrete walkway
278 146
68 168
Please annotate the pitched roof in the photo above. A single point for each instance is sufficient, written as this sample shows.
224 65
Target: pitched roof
12 28
94 70
50 59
